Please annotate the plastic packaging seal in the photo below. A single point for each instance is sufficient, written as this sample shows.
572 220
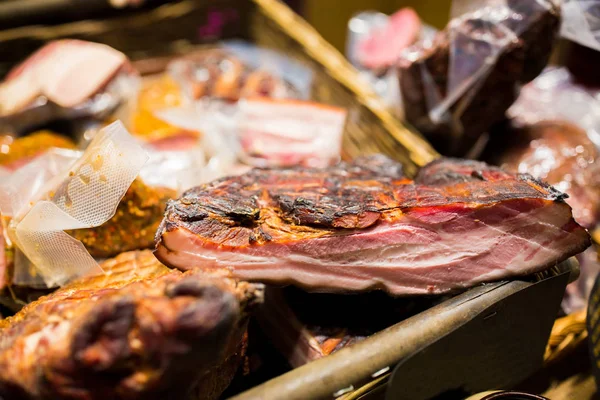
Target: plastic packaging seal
71 193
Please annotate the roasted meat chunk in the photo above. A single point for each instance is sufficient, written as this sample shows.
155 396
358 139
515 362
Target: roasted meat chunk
485 55
362 226
141 331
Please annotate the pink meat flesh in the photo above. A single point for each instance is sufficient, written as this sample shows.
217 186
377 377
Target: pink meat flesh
356 227
382 48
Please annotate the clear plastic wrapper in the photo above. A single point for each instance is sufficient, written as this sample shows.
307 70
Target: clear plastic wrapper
259 132
375 42
454 88
208 156
293 73
70 190
66 79
556 95
581 22
236 70
283 133
18 151
192 119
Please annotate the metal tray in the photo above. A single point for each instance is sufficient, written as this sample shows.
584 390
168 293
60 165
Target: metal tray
489 337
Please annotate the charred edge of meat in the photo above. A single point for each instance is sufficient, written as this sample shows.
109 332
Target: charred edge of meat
553 193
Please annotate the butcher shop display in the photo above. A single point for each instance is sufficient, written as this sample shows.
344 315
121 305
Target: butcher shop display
191 222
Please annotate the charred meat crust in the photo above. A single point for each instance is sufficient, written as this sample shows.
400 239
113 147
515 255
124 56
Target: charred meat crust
147 334
251 208
448 171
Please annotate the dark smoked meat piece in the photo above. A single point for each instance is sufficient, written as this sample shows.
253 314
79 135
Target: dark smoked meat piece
362 226
469 40
140 332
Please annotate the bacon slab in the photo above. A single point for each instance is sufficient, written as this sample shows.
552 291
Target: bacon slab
363 226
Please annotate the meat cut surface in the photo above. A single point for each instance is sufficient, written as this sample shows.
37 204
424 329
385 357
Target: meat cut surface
141 331
363 225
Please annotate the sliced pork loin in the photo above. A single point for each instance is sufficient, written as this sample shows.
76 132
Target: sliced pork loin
363 225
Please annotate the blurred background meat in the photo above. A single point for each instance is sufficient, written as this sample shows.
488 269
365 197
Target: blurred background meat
18 151
552 132
459 86
560 153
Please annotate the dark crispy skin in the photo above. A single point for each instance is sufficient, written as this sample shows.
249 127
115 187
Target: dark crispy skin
141 332
282 205
424 71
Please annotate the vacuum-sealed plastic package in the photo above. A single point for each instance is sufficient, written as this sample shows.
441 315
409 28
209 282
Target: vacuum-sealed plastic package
66 79
180 161
374 44
196 118
283 133
557 95
71 193
554 135
581 22
375 40
17 151
456 87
